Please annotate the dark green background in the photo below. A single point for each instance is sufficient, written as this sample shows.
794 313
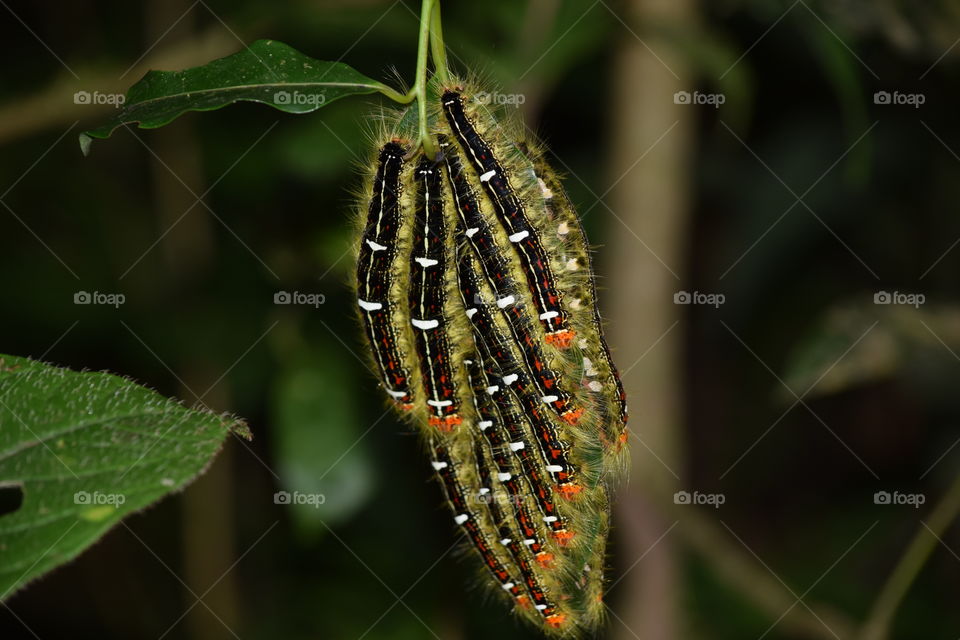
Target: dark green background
199 305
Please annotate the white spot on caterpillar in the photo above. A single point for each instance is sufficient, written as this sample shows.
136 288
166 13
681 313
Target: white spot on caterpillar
486 176
438 465
541 607
468 362
470 312
563 229
544 189
484 490
369 306
503 477
528 542
549 399
595 385
485 424
503 303
471 231
516 446
505 542
572 264
396 394
426 262
547 315
550 518
507 585
519 235
439 403
492 389
588 366
575 303
554 468
425 324
460 519
376 247
510 379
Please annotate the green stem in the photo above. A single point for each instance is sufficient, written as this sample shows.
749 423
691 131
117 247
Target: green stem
429 42
437 48
393 94
924 542
420 86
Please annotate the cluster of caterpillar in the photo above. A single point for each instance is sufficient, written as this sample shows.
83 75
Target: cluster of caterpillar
476 292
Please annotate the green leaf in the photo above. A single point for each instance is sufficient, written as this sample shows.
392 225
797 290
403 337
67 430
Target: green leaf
267 71
86 449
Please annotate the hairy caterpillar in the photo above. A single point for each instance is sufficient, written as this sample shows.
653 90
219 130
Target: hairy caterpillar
378 250
427 296
476 291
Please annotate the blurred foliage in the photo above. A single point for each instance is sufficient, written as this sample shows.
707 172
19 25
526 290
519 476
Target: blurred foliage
860 345
319 442
200 321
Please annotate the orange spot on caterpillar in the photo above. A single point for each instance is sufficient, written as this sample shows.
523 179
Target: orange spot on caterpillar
572 416
446 423
561 339
556 620
545 560
523 602
563 537
569 490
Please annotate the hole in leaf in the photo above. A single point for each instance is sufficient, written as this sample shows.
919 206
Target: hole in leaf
11 498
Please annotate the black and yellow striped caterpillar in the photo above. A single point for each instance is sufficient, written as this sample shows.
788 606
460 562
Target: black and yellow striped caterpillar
476 293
